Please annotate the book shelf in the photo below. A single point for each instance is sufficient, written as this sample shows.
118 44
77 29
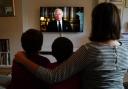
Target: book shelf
4 53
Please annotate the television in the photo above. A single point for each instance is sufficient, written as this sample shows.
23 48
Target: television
73 15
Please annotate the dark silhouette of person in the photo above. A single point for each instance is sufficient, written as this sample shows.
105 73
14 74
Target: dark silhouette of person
31 41
62 49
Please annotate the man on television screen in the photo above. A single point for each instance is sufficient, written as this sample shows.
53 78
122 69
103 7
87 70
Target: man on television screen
59 25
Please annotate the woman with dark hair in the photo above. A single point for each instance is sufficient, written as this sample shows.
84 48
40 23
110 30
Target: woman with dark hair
102 62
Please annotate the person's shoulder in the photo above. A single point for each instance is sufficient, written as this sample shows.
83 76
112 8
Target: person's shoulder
91 46
43 60
65 21
87 44
52 21
123 46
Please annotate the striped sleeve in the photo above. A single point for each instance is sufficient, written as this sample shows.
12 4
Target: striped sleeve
70 67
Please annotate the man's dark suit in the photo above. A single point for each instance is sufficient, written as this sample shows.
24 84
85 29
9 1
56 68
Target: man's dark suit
52 26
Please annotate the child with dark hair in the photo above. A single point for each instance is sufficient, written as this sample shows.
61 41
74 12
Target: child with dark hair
31 41
62 49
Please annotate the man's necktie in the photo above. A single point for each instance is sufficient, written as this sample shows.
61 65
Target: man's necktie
59 27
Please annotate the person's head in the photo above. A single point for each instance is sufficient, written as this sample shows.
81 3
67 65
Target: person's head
105 23
62 49
32 41
58 13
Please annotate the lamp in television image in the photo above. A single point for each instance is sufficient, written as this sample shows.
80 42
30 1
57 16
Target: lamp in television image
61 19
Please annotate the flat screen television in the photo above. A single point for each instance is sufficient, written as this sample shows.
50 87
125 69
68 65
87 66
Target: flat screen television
74 16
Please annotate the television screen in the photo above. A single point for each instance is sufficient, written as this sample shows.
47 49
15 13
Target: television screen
61 19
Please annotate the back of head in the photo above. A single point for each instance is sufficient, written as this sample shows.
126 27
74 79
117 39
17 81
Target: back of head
31 41
62 48
105 22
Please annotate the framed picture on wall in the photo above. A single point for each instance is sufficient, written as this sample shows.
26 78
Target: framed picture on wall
100 1
116 1
120 8
126 3
7 8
